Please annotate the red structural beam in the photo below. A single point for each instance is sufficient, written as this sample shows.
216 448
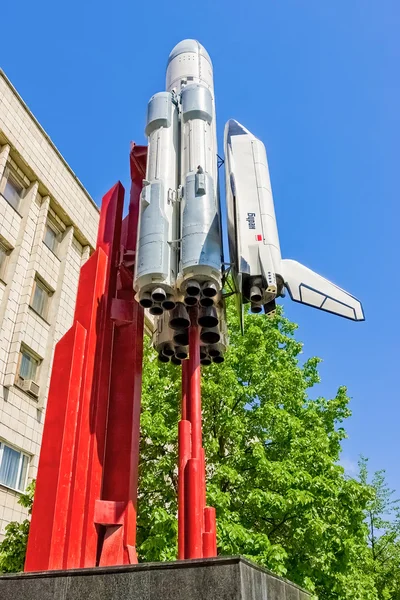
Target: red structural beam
196 522
117 509
85 506
84 512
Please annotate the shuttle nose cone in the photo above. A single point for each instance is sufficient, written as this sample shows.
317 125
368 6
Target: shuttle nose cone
235 128
189 46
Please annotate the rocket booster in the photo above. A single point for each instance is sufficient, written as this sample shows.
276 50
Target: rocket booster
179 253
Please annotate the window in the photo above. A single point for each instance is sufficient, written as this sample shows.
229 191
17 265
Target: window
40 298
51 236
12 190
28 365
13 467
4 254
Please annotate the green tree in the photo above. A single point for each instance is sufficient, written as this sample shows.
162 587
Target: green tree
272 452
13 546
383 521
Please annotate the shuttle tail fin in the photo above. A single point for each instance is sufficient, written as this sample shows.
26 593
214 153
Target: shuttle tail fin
309 288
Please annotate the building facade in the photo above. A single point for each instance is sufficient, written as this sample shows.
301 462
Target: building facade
48 228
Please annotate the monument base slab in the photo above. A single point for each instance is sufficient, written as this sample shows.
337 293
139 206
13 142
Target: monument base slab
225 578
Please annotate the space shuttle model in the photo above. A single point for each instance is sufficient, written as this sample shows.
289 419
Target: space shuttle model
180 267
260 273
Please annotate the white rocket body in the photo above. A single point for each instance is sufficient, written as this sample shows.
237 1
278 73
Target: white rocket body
260 273
157 254
190 76
179 242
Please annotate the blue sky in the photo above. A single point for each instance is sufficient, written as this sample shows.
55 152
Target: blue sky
318 82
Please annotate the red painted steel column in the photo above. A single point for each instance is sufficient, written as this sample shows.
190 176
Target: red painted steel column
184 454
94 391
210 533
194 478
185 391
117 509
194 509
109 239
195 386
53 480
196 522
82 537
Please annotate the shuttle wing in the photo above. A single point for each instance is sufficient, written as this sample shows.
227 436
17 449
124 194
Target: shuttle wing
312 289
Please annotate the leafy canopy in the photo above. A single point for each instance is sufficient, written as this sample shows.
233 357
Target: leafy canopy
383 521
13 546
272 454
272 473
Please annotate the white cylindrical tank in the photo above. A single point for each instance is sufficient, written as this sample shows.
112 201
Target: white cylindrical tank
190 75
157 249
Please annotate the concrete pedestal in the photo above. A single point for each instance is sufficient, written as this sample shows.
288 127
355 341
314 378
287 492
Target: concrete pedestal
231 578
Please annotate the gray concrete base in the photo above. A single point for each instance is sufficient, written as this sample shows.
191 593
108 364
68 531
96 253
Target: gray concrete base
230 578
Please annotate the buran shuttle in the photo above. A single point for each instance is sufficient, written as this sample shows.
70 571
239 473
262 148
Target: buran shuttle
180 264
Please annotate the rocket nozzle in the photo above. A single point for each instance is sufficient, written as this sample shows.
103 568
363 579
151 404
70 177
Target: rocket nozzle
218 359
255 294
208 317
181 352
206 362
256 308
158 295
210 336
169 303
162 358
209 289
214 351
179 317
168 350
206 301
192 288
176 361
191 300
203 352
156 310
181 337
145 300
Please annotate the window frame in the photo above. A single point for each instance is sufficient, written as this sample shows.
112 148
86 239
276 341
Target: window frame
50 224
25 350
22 455
48 292
9 174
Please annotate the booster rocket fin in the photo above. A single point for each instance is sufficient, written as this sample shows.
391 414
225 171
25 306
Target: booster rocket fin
309 288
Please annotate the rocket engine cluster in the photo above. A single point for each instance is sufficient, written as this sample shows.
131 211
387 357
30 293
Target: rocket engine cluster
179 254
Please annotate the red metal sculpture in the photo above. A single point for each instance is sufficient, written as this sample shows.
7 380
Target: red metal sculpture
84 513
196 522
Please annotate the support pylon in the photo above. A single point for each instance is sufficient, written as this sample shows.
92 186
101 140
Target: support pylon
196 522
84 512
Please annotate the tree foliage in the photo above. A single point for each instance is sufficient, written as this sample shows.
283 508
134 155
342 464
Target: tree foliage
272 452
383 521
13 546
273 475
